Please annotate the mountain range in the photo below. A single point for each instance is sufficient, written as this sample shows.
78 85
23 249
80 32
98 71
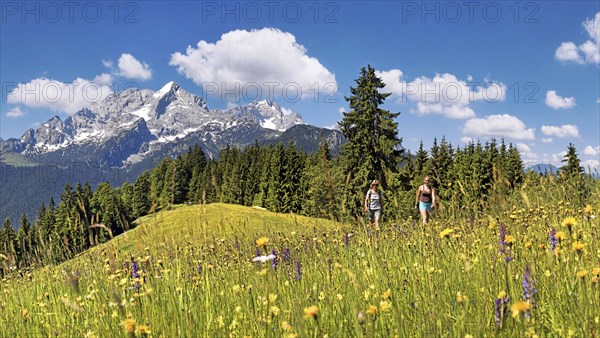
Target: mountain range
130 131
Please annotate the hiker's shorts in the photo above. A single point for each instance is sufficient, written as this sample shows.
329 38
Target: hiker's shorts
374 214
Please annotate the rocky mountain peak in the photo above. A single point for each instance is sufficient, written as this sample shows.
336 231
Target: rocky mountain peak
136 122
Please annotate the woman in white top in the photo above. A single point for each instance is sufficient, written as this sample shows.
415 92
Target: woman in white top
374 203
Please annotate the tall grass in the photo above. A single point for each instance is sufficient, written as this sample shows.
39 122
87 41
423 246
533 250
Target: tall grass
189 272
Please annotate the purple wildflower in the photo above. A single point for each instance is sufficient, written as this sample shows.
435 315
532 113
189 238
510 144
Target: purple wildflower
553 240
275 261
199 268
346 239
504 247
257 251
501 309
529 290
286 254
298 271
135 268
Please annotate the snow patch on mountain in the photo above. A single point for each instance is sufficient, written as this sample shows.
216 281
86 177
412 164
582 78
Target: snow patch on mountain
164 90
143 121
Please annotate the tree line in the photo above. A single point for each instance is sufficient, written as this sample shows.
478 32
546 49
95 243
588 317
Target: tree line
283 179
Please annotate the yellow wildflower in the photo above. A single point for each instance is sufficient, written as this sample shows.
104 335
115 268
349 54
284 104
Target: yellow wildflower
372 310
518 307
311 311
261 242
578 246
386 294
129 325
285 326
582 273
446 232
502 294
509 239
143 330
274 310
587 210
385 306
596 271
25 314
569 222
560 235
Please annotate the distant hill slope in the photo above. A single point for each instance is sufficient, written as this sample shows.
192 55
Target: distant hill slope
169 229
542 168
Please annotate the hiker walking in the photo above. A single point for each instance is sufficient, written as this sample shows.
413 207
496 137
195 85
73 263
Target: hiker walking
425 199
374 204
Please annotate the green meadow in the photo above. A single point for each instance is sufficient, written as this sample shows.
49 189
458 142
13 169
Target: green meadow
193 271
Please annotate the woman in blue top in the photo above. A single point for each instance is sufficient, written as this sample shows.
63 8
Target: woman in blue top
425 199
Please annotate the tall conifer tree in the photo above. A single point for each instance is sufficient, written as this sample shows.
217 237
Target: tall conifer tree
373 149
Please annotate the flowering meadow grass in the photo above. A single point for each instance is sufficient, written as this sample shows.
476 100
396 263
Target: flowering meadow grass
231 271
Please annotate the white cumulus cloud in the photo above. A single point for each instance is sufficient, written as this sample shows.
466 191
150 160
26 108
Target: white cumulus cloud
591 151
524 148
466 139
15 112
567 51
555 101
60 96
591 165
587 52
499 126
132 68
268 59
561 131
444 94
526 152
547 139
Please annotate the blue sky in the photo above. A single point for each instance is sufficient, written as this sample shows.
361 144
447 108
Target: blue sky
525 71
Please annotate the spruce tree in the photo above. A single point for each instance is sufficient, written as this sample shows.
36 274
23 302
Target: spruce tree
8 241
140 203
24 243
573 167
420 161
275 189
514 167
373 149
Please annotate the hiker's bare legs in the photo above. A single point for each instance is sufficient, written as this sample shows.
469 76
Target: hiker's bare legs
425 215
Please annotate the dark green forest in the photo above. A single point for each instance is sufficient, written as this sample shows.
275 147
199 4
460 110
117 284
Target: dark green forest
469 181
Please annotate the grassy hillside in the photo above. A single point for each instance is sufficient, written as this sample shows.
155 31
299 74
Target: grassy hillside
199 225
194 272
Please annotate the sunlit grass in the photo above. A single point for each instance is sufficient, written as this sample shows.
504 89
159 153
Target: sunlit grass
190 272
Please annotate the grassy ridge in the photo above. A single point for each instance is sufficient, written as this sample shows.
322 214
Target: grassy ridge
193 276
